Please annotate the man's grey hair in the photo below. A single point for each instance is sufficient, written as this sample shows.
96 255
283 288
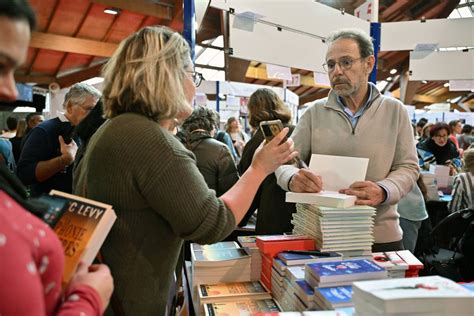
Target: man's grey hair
79 92
364 41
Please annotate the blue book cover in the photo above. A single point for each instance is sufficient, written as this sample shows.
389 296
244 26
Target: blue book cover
308 289
346 267
337 295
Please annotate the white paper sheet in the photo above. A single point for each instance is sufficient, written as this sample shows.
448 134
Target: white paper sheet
339 172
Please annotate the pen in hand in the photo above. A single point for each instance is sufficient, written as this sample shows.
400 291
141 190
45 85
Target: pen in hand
300 163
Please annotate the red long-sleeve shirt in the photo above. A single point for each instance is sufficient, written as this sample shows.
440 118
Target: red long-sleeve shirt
31 267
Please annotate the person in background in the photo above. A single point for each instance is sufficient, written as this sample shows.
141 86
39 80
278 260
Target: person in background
85 129
12 124
356 120
16 141
455 128
32 120
419 126
274 214
463 188
31 255
6 154
213 158
466 138
225 138
239 138
442 149
425 133
46 161
151 179
412 210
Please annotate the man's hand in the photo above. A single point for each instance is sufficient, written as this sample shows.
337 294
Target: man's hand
68 151
367 193
306 180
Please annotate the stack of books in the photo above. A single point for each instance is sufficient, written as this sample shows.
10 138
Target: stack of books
270 246
250 242
433 295
330 298
399 264
223 262
339 273
241 308
345 230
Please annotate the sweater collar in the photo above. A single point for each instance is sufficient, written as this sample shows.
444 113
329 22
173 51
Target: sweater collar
333 98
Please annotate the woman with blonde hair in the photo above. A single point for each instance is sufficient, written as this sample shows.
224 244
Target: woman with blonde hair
150 178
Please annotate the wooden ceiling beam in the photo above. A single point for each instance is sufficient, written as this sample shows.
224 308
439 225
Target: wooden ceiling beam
41 80
81 75
140 6
72 44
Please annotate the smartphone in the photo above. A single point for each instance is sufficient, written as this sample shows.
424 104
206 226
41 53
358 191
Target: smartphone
270 129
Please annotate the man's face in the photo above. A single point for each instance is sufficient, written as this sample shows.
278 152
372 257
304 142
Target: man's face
347 80
35 121
14 39
77 112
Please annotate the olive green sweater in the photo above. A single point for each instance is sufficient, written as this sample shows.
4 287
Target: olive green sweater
160 199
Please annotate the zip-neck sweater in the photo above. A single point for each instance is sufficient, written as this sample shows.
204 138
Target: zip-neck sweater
160 199
383 134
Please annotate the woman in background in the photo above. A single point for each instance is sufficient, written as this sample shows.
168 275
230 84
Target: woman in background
444 151
239 138
274 214
150 178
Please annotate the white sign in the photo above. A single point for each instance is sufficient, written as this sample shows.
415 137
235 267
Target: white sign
366 11
461 85
278 72
294 82
321 78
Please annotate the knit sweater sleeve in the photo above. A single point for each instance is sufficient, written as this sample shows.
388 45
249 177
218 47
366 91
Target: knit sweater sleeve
178 192
404 171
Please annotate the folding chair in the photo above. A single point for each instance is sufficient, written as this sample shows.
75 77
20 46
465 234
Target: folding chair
447 257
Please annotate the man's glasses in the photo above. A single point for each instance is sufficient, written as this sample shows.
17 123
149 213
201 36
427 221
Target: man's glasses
344 63
197 77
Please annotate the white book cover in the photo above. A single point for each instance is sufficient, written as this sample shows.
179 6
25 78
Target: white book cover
326 198
414 294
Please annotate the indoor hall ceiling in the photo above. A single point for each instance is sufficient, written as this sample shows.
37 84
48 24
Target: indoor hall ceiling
73 38
389 11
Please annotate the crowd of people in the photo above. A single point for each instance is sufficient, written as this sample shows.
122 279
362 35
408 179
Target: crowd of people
173 176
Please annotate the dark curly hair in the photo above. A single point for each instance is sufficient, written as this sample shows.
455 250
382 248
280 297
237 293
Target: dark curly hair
439 126
201 118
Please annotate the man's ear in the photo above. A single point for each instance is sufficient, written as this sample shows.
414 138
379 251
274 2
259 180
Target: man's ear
370 63
68 107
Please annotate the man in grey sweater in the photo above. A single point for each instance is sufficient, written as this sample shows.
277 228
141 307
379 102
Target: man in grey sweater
357 120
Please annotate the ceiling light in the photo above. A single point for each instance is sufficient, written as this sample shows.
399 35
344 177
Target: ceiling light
113 11
446 85
393 71
389 79
424 81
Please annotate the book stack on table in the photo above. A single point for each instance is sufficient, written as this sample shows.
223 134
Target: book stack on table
250 242
418 296
345 230
270 246
399 264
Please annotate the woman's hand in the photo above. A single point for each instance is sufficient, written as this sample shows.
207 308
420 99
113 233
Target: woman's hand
268 157
98 277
